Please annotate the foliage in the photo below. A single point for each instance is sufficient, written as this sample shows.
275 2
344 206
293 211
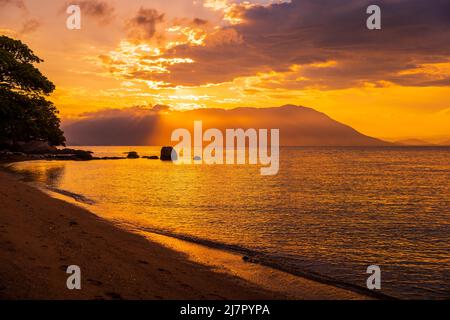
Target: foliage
25 113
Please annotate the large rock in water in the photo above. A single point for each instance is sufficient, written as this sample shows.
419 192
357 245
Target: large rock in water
132 155
168 154
74 154
36 147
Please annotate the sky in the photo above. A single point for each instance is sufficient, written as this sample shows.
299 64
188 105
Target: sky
392 83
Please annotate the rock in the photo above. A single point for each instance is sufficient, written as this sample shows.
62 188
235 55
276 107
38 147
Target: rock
6 153
11 155
151 157
36 156
248 259
84 155
168 154
132 155
19 154
108 158
36 147
73 154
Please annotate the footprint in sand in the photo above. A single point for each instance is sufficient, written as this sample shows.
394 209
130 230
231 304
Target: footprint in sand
164 270
114 295
63 267
95 282
184 285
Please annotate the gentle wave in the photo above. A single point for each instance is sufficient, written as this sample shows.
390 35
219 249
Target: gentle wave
327 215
262 259
77 197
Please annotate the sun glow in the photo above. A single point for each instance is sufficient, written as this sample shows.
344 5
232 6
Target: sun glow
233 53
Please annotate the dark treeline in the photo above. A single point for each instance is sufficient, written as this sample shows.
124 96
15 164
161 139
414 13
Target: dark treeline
25 113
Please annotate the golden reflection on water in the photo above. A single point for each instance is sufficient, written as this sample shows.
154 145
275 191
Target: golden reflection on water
330 211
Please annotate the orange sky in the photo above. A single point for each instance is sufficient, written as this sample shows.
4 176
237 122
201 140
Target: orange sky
393 83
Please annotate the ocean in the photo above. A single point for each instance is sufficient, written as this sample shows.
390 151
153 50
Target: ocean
328 214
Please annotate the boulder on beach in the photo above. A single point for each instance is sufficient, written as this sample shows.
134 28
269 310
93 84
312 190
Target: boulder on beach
5 154
132 155
73 154
36 147
151 157
168 154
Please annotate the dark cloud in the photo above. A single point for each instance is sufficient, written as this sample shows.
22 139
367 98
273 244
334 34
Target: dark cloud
18 3
98 9
143 25
160 108
306 32
199 22
30 26
134 125
136 111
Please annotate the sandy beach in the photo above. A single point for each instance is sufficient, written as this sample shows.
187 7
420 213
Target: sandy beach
40 236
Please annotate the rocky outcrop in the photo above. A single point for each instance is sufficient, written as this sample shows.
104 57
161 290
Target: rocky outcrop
73 154
108 158
132 155
168 154
36 147
58 154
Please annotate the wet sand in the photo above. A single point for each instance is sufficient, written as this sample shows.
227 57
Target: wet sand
40 236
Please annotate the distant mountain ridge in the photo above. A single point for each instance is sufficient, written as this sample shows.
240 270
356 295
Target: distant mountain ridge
414 142
299 126
422 143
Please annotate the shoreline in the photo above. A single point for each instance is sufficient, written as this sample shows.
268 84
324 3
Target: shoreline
42 235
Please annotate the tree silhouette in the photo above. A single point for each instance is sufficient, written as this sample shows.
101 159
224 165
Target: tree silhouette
25 113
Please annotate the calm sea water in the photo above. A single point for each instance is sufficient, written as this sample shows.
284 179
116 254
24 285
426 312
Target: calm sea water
330 212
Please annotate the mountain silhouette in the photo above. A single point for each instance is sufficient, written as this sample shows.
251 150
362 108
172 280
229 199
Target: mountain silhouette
414 142
299 126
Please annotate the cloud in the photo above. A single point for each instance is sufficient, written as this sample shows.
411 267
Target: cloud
143 25
134 125
100 10
274 38
17 3
30 26
199 22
